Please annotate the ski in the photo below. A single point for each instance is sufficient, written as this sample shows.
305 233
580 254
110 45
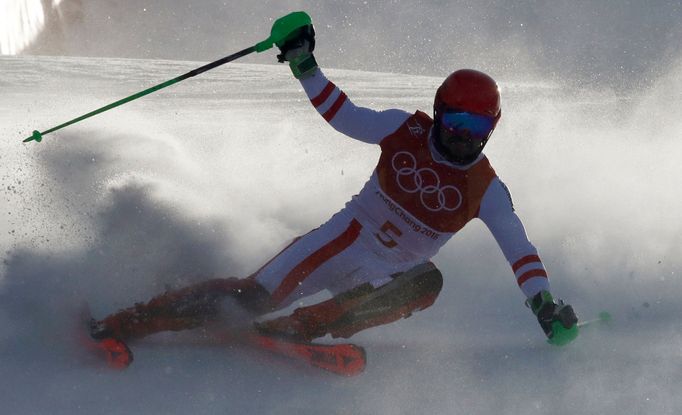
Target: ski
344 359
114 353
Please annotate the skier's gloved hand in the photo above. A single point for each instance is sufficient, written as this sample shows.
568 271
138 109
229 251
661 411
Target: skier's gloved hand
297 49
558 320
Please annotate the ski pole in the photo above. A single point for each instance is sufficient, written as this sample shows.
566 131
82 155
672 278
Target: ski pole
281 29
604 317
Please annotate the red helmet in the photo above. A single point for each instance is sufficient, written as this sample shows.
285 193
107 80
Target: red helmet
465 112
471 91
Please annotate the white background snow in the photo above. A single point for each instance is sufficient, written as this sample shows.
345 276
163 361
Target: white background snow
214 175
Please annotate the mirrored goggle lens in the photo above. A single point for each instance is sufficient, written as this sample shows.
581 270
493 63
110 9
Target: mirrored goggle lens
474 126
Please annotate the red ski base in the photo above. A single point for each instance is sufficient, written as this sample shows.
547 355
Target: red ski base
344 359
115 353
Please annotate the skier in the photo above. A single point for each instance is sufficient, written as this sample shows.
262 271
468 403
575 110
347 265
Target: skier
374 254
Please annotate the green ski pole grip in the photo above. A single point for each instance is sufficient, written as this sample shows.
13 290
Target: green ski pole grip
282 28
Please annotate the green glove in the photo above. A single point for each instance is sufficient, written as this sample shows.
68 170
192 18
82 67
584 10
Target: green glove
558 320
297 49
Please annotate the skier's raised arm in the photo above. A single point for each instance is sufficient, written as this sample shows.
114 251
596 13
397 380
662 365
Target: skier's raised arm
497 212
360 123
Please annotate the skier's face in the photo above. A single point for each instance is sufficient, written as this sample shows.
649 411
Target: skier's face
464 134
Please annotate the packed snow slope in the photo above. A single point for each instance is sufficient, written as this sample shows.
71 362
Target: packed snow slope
214 175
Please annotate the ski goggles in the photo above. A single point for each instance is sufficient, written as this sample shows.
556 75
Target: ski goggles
468 126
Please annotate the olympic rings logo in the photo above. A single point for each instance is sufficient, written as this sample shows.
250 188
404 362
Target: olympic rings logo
426 182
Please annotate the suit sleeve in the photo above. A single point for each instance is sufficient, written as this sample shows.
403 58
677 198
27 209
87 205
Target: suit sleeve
497 212
360 123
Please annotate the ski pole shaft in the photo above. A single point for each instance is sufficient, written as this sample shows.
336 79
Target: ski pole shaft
37 136
604 317
281 30
588 322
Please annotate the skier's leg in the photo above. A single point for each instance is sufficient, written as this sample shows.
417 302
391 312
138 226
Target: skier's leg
290 274
182 309
312 262
362 307
303 268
